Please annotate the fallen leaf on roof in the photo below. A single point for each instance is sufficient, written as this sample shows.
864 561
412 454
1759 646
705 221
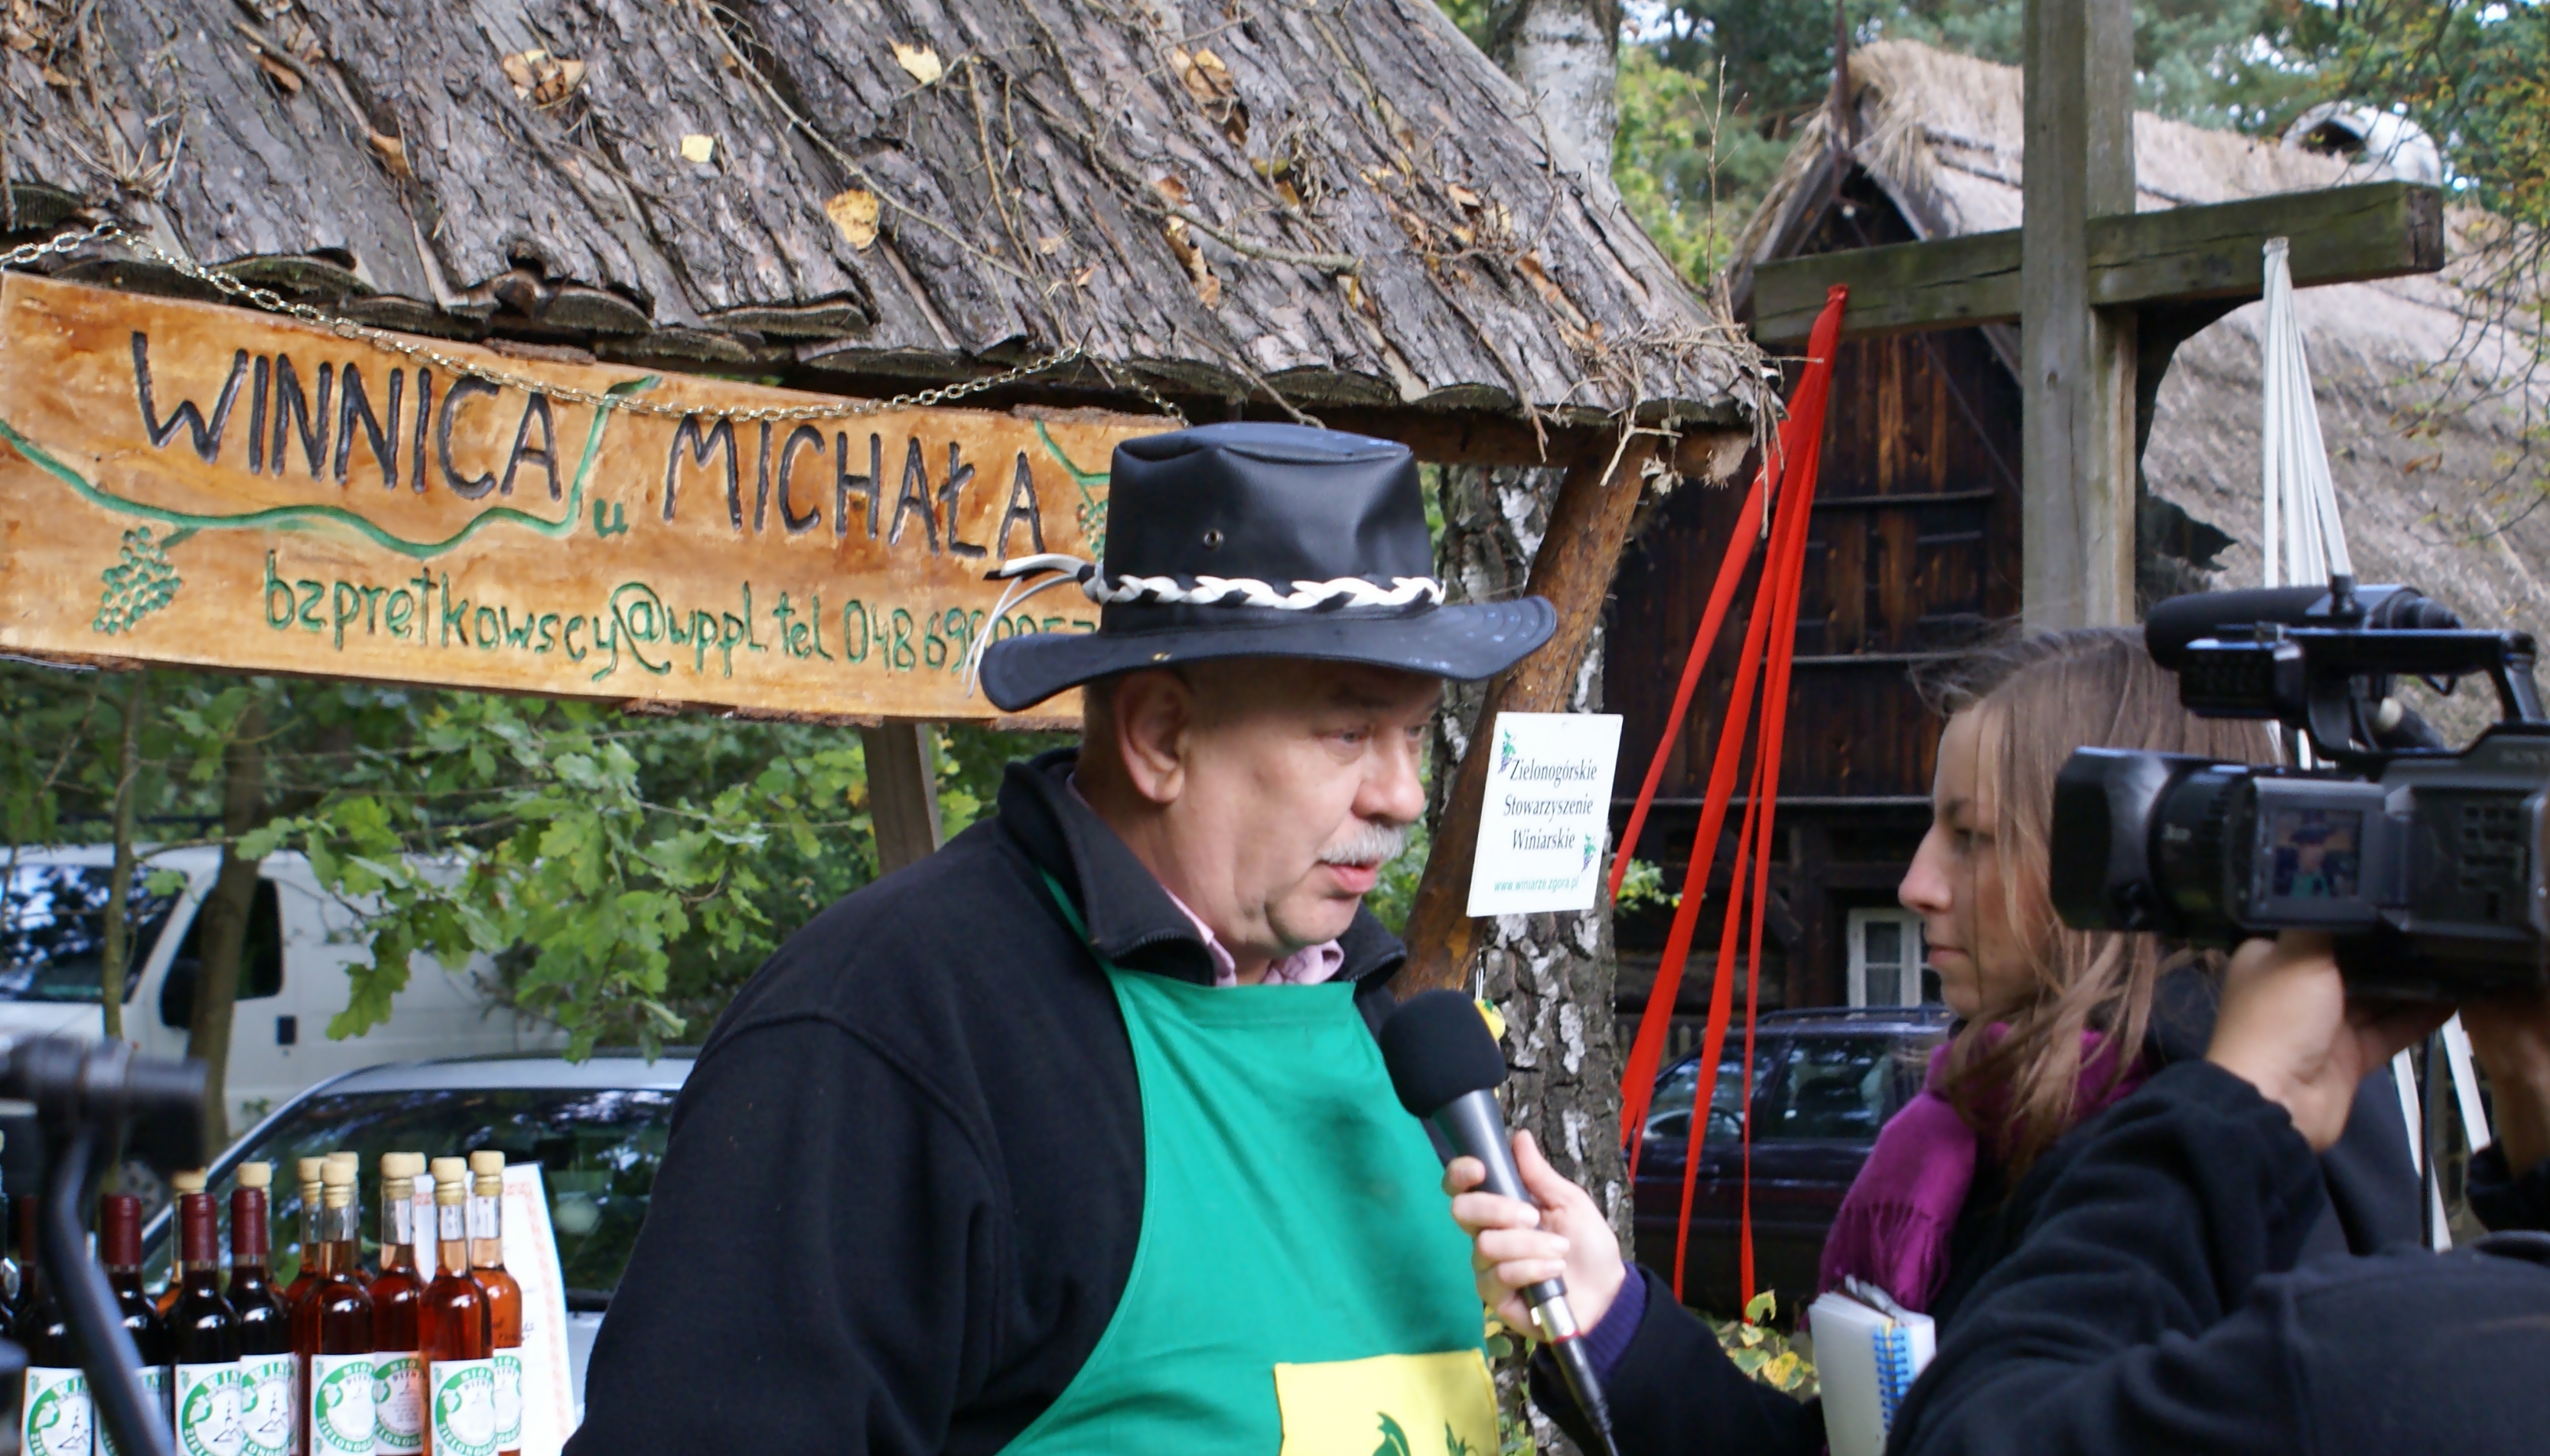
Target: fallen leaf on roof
696 148
1081 278
1199 268
540 78
393 155
855 211
518 69
1463 196
283 76
1174 189
1209 81
1050 244
53 77
20 40
921 60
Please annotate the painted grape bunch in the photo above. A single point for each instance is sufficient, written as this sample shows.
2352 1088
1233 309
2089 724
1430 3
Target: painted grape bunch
142 581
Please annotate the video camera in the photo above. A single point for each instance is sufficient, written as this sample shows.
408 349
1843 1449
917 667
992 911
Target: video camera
2427 865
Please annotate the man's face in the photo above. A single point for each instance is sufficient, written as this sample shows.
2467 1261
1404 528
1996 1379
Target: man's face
1300 782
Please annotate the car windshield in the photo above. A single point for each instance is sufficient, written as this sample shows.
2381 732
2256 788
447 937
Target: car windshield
596 1150
52 930
1669 1114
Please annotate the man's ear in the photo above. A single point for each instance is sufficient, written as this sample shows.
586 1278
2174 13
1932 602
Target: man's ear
1155 733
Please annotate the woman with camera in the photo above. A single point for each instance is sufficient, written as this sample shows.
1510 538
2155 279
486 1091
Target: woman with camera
2055 1026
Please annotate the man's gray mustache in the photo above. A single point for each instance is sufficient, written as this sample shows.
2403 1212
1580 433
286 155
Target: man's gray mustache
1371 843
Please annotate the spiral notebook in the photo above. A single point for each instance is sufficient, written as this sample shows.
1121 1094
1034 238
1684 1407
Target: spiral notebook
1866 1360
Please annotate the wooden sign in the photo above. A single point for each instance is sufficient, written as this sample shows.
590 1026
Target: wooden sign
209 487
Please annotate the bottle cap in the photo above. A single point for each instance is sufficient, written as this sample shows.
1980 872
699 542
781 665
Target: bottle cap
308 1168
188 1180
255 1175
486 1160
450 1180
339 1194
402 1165
334 1174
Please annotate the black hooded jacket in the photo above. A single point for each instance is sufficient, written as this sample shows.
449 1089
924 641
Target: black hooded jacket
905 1180
1675 1391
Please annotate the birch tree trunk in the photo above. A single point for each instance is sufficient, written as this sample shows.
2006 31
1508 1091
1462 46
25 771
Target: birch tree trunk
1552 974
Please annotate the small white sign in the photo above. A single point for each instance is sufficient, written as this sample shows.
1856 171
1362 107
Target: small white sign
1548 812
531 1258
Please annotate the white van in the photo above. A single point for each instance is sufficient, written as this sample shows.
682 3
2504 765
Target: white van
292 973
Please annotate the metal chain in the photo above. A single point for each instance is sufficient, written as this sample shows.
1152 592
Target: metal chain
111 231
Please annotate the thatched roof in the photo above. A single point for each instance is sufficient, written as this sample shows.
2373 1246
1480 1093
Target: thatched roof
1348 205
1941 135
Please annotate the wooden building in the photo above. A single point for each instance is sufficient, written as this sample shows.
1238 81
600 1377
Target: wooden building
1915 545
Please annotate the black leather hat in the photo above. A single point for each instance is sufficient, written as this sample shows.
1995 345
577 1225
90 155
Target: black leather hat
1261 541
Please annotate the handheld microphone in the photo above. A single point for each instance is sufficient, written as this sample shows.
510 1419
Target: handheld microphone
1445 1067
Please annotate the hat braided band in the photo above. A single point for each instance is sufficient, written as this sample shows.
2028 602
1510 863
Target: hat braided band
1225 590
1209 591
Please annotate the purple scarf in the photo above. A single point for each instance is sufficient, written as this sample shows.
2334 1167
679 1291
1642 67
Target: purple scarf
1894 1224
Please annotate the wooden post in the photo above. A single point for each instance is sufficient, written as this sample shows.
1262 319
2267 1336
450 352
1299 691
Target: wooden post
2077 363
1588 526
903 791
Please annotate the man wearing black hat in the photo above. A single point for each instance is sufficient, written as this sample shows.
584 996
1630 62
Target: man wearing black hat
1074 1135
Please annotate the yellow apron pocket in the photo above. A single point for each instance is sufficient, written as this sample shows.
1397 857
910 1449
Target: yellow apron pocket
1439 1405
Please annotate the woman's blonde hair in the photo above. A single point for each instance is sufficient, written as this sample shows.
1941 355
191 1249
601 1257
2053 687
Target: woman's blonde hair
2039 698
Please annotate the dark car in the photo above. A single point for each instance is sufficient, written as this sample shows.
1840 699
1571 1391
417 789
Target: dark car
1824 1083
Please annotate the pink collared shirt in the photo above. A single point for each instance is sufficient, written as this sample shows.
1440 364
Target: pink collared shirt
1307 966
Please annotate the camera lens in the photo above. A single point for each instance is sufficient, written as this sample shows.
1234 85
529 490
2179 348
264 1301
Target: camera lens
2200 851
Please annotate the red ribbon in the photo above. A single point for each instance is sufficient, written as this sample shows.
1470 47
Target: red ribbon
1770 644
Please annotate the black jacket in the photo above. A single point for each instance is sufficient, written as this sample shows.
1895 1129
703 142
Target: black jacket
905 1180
1675 1391
2141 1314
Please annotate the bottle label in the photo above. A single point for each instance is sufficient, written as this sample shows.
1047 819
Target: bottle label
154 1384
275 1386
54 1418
464 1408
213 1402
509 1400
398 1404
340 1405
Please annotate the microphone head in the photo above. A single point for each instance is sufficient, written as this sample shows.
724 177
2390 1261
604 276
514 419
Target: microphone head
2170 626
1438 1049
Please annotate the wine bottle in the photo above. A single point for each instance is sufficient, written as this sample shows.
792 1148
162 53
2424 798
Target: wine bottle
119 1249
53 1417
398 1374
307 1168
452 1330
504 1294
212 1393
332 1326
264 1321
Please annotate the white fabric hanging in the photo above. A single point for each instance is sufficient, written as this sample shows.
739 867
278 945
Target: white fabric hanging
2304 544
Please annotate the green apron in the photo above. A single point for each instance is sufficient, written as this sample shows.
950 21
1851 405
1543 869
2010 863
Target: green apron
1299 1285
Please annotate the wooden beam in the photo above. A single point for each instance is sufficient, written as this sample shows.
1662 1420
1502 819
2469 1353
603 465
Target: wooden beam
1588 526
2340 234
903 791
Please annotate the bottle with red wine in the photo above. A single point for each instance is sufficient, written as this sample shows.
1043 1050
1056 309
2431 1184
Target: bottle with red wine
264 1322
119 1248
53 1417
210 1393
